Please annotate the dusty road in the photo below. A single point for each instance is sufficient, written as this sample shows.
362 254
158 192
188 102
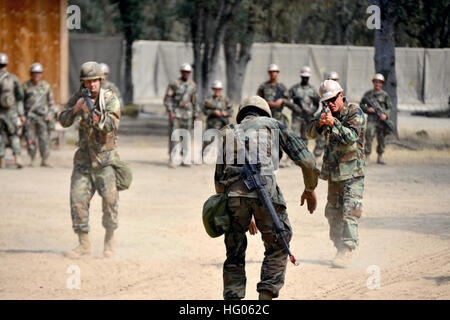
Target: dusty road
163 251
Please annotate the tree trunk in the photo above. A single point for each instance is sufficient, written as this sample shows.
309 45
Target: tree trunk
237 56
385 52
128 96
208 26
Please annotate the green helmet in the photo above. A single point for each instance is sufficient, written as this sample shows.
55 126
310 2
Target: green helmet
256 102
216 219
91 70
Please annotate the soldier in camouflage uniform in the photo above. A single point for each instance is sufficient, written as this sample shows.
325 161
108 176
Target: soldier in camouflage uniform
93 161
343 166
181 105
217 108
276 94
12 116
253 117
108 85
375 126
306 102
39 110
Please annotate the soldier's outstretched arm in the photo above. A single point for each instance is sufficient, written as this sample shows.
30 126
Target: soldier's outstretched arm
348 132
67 115
296 149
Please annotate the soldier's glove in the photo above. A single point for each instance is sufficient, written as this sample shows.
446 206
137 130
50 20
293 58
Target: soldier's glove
311 200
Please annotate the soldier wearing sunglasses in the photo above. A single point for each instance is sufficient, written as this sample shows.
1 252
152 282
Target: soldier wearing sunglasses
343 166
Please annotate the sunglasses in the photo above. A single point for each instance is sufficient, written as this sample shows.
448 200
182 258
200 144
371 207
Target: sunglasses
332 100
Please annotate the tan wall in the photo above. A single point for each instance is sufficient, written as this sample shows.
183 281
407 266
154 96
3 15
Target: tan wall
35 31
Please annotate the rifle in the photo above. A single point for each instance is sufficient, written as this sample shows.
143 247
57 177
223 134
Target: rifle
378 112
325 111
252 180
86 93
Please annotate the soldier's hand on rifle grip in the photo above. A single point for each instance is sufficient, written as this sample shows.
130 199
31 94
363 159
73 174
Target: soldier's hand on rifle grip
383 117
327 120
252 228
311 200
371 110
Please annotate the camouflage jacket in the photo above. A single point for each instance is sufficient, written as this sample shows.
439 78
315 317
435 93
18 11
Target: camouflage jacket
17 94
110 85
97 140
38 99
306 99
381 99
344 144
271 92
181 99
217 103
272 136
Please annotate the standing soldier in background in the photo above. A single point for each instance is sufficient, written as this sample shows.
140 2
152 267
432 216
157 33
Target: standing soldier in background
106 84
181 105
373 102
93 161
254 119
12 116
276 95
40 110
306 102
217 109
343 126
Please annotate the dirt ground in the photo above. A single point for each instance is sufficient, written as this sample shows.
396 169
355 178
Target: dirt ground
163 251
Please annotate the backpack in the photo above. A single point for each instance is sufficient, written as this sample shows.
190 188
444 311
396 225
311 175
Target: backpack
7 97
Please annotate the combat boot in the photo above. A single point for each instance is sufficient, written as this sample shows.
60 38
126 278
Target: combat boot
108 250
18 162
44 163
172 164
265 295
380 160
2 162
343 257
84 248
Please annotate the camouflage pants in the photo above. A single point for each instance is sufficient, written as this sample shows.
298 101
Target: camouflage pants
178 123
343 209
299 126
273 268
374 129
6 135
83 185
37 132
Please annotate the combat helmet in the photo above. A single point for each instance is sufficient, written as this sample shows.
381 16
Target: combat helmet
378 76
273 67
91 70
3 58
305 71
36 67
217 84
186 67
255 102
333 75
105 68
329 89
